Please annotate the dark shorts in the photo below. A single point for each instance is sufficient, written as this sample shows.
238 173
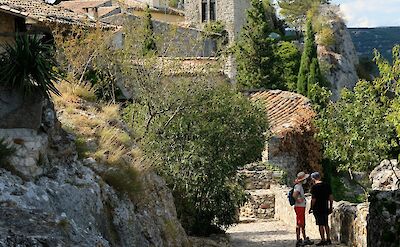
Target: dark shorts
321 219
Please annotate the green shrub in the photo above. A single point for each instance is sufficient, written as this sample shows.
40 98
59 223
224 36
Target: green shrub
326 37
214 27
254 52
173 3
359 130
288 64
197 145
29 66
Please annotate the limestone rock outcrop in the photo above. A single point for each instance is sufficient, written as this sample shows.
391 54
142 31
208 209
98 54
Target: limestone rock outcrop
339 60
384 219
386 176
49 197
72 206
349 223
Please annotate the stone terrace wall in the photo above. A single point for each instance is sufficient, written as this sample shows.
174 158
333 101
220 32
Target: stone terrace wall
372 224
258 180
384 219
260 205
349 223
285 213
258 176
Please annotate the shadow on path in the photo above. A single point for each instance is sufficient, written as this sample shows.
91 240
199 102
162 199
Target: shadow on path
259 234
272 233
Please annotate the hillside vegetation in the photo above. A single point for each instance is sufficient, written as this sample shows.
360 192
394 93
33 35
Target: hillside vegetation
189 130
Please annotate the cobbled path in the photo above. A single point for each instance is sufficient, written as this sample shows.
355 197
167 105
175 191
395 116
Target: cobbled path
272 233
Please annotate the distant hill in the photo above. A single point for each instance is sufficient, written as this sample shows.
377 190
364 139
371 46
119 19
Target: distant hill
381 38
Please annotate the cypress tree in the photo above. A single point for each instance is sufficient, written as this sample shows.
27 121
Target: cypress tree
254 51
149 43
309 53
312 77
310 81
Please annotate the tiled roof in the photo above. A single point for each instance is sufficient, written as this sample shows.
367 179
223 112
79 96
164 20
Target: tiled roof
171 66
79 5
140 5
41 11
104 11
191 66
285 110
134 4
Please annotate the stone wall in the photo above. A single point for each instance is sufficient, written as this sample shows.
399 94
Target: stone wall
372 224
19 111
231 12
384 219
7 28
260 205
189 42
375 223
171 40
258 179
285 160
240 11
296 151
260 176
349 223
386 176
285 213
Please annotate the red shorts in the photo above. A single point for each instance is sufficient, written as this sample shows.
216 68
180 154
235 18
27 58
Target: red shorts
300 216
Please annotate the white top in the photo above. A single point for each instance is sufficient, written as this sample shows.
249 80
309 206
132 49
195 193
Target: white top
300 190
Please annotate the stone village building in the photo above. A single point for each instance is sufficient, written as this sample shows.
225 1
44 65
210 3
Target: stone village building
232 13
35 17
292 146
31 17
290 115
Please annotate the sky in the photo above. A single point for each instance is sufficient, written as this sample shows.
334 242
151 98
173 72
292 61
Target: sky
370 13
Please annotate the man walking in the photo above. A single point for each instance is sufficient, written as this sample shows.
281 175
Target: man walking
300 208
321 207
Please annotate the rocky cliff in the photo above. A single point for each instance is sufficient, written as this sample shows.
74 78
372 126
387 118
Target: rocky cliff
50 197
337 57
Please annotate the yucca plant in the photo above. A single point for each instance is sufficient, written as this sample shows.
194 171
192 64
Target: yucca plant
29 66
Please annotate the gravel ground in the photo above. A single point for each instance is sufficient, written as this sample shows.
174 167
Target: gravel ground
272 233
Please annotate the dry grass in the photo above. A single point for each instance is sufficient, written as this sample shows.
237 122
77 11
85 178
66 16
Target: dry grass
98 135
94 124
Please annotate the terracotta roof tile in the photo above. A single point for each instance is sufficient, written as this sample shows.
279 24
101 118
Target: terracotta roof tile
285 110
79 5
104 11
186 66
43 12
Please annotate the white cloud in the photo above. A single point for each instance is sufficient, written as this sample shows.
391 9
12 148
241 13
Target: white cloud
370 13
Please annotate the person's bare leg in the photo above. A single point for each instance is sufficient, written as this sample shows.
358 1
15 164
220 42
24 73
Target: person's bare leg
322 232
303 230
328 233
298 232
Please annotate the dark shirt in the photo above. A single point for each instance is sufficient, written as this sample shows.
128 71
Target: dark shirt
321 192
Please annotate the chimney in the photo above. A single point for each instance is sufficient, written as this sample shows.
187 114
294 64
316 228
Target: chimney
93 12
